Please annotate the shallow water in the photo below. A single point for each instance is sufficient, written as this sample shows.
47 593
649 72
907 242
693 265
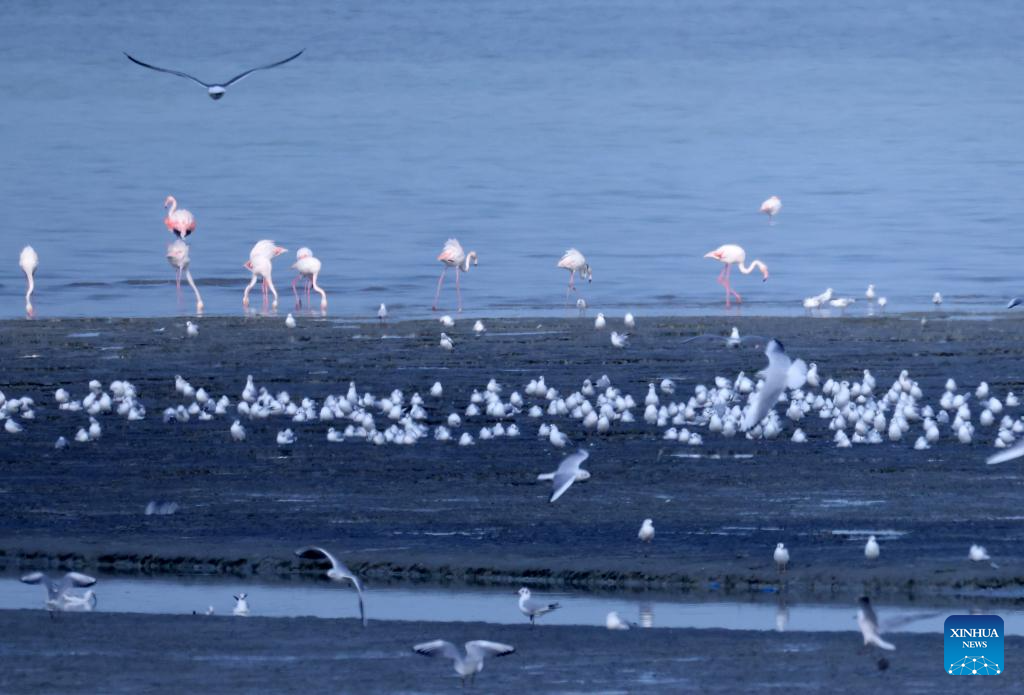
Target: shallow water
645 132
500 606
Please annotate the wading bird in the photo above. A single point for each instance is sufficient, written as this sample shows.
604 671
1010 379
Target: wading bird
575 262
771 208
179 222
215 90
308 268
453 256
532 608
178 257
259 264
29 261
731 254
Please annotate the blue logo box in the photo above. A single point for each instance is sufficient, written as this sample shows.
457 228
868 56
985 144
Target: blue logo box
974 645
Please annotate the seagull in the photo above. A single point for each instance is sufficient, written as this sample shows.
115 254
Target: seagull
599 322
566 474
937 299
869 294
532 608
871 549
868 623
771 208
977 553
382 313
57 589
613 621
620 340
582 476
215 91
629 321
781 373
241 605
473 662
338 572
289 321
781 557
478 328
192 329
734 340
646 531
447 321
237 431
446 342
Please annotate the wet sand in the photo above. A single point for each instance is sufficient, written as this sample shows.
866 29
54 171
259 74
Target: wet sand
148 654
440 512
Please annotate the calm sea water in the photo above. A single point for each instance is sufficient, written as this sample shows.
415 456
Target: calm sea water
644 132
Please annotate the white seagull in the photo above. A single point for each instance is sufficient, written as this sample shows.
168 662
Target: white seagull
614 621
533 608
338 572
473 662
868 623
241 605
620 340
781 557
646 533
566 474
781 373
871 549
57 589
215 90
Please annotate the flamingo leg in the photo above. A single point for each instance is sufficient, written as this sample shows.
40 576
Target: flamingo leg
248 288
440 281
728 287
309 290
721 280
269 282
569 289
295 282
458 292
192 284
177 282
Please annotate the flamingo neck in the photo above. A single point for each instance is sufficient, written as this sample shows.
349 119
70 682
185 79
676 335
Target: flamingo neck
174 205
747 270
470 257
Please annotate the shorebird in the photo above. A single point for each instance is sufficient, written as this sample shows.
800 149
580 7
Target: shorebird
867 621
308 268
937 299
289 321
613 621
238 431
533 608
781 557
479 328
646 533
57 589
730 255
869 294
781 373
871 549
575 262
179 222
241 605
260 265
567 472
382 313
629 321
29 261
338 572
446 343
473 662
178 257
191 329
453 256
599 322
215 90
771 208
619 340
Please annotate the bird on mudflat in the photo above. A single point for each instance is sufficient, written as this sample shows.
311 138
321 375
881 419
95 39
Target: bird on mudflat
473 662
215 90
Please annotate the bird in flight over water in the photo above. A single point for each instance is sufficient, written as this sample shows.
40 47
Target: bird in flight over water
216 90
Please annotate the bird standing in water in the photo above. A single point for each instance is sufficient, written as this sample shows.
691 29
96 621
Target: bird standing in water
308 267
730 255
179 221
575 262
453 256
29 261
771 208
178 257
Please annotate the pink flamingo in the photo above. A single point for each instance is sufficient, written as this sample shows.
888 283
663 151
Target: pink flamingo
29 261
453 256
259 264
730 254
308 267
179 222
771 208
178 257
575 262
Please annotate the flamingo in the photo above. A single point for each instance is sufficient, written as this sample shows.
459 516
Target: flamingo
259 263
575 262
771 208
29 261
453 256
179 222
178 257
308 267
731 254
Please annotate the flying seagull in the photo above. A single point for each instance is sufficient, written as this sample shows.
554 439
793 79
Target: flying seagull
338 572
867 621
57 590
781 373
473 662
567 472
216 90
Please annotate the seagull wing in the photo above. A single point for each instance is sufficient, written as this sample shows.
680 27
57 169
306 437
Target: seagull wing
236 78
172 72
775 377
565 476
438 647
339 569
479 648
33 578
796 375
78 579
1004 455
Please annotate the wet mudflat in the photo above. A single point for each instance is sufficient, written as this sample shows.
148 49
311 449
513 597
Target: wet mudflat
443 513
113 653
